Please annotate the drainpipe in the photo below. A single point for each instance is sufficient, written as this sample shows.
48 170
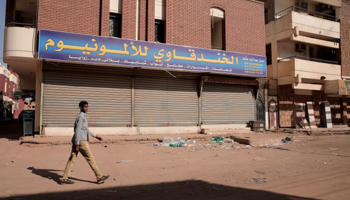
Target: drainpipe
137 19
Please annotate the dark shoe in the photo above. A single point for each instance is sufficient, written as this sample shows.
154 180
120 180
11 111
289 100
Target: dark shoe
102 179
66 181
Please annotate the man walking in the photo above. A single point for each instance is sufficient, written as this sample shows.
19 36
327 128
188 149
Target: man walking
80 143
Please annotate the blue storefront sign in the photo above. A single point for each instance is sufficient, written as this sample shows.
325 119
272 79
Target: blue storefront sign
70 47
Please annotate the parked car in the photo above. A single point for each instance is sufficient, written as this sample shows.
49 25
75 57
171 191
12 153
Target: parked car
26 114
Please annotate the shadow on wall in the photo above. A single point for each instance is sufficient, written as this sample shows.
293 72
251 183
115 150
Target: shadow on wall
190 189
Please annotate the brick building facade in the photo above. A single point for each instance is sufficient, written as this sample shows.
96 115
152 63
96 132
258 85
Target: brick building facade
8 84
187 22
149 95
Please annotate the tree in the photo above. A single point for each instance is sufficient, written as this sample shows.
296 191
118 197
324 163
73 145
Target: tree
19 94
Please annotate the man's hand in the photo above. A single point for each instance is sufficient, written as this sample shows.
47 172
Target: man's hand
98 137
77 148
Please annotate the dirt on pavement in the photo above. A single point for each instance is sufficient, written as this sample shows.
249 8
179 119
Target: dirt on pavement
313 168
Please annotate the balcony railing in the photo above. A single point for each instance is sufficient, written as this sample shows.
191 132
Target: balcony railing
306 11
308 58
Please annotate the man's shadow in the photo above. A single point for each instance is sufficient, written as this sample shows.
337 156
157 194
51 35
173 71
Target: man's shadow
51 174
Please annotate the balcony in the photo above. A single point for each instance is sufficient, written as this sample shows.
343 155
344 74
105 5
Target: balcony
299 71
316 28
20 49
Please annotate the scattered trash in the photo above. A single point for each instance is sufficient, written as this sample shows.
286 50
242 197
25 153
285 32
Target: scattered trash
157 144
105 146
284 141
152 152
12 161
333 149
325 163
176 142
113 179
122 161
288 139
217 155
303 144
217 139
248 146
47 181
260 172
33 167
261 145
260 180
112 152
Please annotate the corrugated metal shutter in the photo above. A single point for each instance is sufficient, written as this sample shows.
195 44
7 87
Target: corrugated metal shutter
227 104
335 110
165 100
108 95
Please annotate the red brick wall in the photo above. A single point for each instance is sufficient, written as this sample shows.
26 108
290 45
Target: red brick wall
188 22
286 106
129 19
75 16
345 37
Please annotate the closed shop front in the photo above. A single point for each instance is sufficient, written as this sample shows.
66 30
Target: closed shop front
335 105
106 89
164 100
227 104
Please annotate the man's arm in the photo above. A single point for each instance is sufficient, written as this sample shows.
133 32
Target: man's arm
78 125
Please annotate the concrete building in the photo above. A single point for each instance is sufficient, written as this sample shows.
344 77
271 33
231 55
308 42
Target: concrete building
9 108
144 66
307 48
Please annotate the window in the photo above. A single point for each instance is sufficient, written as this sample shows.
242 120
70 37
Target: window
115 24
311 52
266 16
268 55
159 31
5 86
217 29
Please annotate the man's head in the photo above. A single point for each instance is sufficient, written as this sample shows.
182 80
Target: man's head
84 106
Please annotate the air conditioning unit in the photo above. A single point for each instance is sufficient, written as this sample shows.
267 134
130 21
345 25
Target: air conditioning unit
300 47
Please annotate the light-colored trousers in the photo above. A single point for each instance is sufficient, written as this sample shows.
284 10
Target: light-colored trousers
84 149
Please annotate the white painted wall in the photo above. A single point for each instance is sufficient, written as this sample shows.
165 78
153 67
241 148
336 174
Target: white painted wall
19 42
160 10
115 6
287 49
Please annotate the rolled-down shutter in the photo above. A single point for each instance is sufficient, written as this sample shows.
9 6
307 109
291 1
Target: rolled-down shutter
227 104
161 101
108 95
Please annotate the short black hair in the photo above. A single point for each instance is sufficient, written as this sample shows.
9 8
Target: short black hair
82 103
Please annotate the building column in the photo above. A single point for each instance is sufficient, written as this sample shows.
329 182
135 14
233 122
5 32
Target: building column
38 80
344 105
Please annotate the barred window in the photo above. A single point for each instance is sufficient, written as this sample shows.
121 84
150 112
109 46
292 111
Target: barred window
159 31
115 24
